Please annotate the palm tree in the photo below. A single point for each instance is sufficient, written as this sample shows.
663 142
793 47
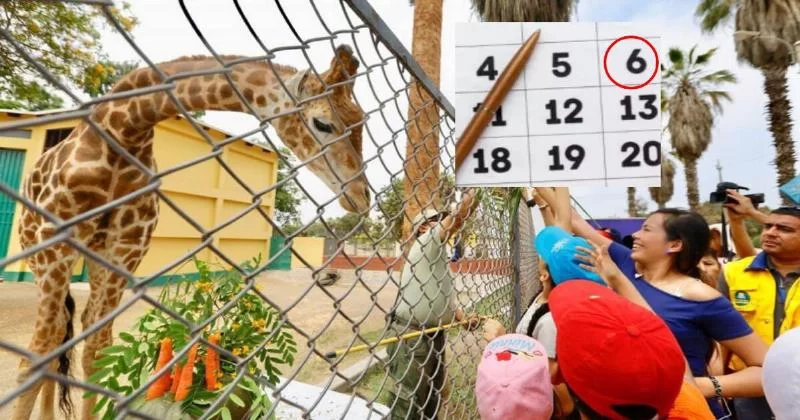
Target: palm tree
422 182
524 10
692 98
661 195
632 202
773 21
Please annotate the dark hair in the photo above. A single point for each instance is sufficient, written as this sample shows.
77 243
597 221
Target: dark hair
628 241
692 230
537 315
787 211
627 411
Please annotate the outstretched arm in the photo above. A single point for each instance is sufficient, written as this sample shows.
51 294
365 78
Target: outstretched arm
453 222
544 206
557 200
737 213
583 229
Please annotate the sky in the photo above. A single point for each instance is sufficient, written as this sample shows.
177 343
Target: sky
741 140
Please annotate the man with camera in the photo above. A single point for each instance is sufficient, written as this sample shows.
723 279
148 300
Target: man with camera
763 286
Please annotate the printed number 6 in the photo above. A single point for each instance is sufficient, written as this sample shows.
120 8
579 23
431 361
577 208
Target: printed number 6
500 162
635 63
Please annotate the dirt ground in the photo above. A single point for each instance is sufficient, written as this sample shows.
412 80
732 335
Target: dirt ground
315 314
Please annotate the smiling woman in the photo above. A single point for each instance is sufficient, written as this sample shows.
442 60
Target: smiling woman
665 255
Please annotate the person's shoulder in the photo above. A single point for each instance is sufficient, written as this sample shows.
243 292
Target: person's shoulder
700 292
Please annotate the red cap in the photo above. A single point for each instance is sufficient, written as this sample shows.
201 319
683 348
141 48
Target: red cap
612 352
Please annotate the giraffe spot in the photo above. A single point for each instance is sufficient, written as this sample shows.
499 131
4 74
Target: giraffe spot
211 98
308 143
195 88
117 119
276 110
87 199
46 288
148 112
261 100
196 102
170 109
248 94
146 212
87 154
53 306
291 131
287 104
123 86
47 191
272 97
350 161
226 91
100 112
181 88
127 218
134 232
143 79
258 78
133 109
63 154
129 132
158 99
134 256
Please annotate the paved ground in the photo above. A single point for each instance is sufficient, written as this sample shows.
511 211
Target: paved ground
315 314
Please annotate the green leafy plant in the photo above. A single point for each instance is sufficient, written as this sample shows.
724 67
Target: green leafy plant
249 326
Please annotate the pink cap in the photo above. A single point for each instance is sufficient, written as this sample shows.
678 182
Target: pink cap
514 380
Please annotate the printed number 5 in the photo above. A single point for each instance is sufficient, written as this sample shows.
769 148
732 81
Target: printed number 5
561 68
500 162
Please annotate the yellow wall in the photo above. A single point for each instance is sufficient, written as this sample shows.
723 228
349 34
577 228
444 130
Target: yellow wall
310 248
205 191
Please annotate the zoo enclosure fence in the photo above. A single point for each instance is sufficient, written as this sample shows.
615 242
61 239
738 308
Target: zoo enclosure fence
499 282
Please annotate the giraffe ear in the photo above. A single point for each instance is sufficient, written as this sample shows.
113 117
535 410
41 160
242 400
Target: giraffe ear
297 83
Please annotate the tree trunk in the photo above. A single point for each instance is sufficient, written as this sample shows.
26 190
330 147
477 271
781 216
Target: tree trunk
422 149
632 202
780 124
692 192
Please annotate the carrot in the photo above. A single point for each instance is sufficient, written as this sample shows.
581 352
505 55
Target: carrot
162 384
187 376
176 376
212 364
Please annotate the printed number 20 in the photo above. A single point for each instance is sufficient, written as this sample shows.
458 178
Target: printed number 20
500 162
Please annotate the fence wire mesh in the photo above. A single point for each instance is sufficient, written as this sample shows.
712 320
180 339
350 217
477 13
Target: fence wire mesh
296 343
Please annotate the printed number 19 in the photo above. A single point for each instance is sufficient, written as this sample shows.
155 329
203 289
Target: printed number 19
500 162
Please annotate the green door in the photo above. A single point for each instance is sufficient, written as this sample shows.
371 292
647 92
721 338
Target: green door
11 162
284 260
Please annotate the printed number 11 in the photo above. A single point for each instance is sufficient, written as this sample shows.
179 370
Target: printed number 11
498 115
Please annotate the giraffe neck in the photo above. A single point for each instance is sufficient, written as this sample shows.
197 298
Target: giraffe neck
133 118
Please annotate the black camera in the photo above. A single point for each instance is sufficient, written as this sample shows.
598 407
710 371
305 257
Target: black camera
721 196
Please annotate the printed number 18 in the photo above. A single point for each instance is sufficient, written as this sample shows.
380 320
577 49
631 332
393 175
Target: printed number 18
500 162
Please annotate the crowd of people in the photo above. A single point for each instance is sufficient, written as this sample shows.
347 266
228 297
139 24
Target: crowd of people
661 325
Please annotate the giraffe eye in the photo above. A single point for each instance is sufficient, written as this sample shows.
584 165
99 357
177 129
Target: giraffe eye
321 126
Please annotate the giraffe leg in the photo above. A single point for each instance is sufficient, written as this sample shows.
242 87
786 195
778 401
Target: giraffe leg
106 291
52 269
126 247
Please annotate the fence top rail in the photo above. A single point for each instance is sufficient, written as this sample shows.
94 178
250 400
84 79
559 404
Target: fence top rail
367 14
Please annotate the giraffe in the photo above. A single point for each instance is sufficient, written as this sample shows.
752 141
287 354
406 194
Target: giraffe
83 172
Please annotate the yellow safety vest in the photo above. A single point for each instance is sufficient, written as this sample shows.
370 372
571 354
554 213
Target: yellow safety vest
752 293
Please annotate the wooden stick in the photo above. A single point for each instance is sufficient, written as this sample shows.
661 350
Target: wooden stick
494 99
390 340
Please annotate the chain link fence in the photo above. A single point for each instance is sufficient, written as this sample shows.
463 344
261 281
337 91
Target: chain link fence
237 339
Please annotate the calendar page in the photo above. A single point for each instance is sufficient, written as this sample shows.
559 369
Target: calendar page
584 112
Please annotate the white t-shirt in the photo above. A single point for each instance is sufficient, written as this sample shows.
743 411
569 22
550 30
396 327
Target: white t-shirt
544 331
426 284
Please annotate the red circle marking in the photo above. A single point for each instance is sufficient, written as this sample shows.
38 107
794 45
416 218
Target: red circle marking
608 50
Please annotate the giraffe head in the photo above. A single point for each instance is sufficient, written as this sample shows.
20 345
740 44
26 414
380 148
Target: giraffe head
337 122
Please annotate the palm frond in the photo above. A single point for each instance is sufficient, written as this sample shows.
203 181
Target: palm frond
715 13
704 58
676 57
715 98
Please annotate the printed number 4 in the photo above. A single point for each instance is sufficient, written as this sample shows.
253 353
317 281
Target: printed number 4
500 162
487 68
